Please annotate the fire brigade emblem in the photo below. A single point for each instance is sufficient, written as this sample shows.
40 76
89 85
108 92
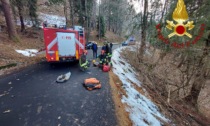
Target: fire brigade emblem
180 15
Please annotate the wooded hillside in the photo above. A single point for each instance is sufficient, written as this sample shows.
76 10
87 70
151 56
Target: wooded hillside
154 27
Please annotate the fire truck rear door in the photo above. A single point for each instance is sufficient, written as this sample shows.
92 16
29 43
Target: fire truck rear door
66 44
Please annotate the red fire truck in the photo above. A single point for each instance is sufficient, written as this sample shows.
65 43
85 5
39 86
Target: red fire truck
62 44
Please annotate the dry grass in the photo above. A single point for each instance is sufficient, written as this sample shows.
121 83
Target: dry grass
29 40
117 92
110 36
51 9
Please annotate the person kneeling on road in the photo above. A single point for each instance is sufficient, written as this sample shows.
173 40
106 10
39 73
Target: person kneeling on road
102 58
84 64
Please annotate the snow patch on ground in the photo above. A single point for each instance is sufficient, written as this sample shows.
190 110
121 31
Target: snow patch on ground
53 19
26 22
28 52
50 18
143 112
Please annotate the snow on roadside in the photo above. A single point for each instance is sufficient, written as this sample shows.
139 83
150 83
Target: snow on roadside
142 111
28 52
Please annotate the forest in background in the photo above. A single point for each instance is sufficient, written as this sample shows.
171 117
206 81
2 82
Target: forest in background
109 16
120 17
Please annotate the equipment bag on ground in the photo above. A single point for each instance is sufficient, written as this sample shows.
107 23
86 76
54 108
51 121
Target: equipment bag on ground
63 78
91 84
106 68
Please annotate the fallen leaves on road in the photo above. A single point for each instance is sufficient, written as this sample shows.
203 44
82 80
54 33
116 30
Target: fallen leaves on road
5 93
7 111
39 109
1 95
10 89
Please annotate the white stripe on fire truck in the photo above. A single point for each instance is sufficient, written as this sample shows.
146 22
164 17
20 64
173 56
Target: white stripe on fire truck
80 45
52 44
51 52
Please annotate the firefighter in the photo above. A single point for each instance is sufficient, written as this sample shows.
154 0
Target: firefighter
102 58
84 64
108 52
104 47
107 48
109 56
111 47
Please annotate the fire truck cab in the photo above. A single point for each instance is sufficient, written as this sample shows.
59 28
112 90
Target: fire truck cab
62 44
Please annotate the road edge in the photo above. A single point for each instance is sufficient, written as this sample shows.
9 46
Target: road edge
117 92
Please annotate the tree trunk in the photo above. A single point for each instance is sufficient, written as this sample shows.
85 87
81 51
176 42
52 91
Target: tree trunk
65 11
94 16
109 18
144 28
89 30
14 12
99 21
81 12
72 12
87 21
9 19
32 6
19 6
163 11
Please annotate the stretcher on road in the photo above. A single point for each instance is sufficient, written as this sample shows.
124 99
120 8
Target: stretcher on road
91 84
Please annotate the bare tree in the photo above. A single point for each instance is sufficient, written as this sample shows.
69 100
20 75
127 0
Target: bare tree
71 4
20 12
144 28
9 19
65 11
99 21
164 11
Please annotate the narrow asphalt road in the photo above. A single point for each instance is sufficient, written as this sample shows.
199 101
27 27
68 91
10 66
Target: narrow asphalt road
31 97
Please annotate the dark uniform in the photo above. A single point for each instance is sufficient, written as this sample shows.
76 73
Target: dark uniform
94 48
107 48
111 47
103 48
